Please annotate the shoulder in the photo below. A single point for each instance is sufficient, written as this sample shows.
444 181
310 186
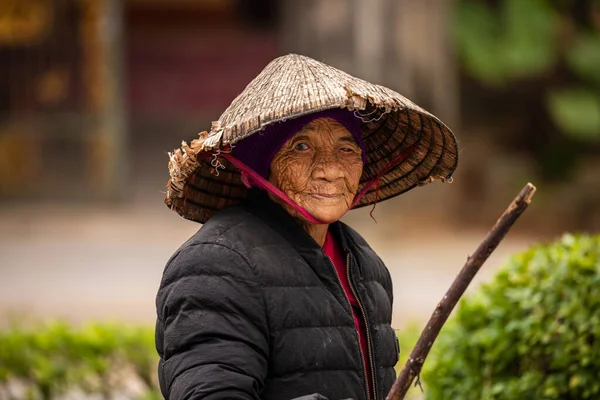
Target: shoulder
234 228
221 236
210 258
228 229
228 238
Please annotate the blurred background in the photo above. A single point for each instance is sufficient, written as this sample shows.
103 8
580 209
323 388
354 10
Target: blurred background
94 93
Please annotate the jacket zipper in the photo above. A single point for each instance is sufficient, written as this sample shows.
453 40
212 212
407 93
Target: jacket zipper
364 315
362 355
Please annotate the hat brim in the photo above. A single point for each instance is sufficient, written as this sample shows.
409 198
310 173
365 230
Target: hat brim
405 145
404 148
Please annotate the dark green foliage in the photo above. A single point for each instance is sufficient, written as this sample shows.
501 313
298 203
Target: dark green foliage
50 360
407 339
533 332
515 41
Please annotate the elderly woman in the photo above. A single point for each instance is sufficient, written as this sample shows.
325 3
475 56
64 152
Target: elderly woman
274 297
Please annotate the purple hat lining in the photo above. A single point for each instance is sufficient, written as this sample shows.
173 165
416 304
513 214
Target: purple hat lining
257 150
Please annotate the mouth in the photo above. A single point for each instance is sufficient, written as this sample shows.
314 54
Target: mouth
321 196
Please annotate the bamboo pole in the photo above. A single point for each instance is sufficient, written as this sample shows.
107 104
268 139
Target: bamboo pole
415 362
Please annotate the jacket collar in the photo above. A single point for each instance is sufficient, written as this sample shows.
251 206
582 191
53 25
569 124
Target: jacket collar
278 219
271 213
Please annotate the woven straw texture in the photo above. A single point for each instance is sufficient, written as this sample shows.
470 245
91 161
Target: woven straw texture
406 146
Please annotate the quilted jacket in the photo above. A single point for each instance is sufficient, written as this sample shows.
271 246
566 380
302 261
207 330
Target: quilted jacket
251 308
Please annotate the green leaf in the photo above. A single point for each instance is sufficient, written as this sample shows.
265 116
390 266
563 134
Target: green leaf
584 57
516 41
476 32
576 112
529 41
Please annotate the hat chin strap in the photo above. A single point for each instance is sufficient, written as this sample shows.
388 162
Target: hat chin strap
251 178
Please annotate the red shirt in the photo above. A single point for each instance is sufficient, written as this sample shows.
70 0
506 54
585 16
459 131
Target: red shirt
335 253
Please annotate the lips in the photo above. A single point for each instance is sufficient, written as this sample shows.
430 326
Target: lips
326 196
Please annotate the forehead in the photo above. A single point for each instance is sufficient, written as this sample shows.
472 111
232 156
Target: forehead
321 125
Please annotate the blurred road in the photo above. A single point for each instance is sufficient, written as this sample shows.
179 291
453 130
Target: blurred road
105 264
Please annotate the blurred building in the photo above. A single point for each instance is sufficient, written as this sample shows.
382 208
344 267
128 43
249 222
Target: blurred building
92 90
93 93
86 86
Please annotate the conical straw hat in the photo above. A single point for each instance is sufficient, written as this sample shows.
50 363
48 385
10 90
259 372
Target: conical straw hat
405 145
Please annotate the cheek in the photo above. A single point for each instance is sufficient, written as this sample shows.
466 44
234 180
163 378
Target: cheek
290 174
353 174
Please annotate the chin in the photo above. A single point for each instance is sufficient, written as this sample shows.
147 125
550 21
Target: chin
326 211
327 216
328 219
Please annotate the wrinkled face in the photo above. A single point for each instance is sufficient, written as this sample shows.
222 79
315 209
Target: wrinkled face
319 168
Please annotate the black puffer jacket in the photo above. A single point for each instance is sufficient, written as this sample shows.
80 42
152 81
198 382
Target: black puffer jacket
251 308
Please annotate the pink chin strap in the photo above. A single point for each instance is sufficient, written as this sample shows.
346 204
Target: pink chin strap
250 178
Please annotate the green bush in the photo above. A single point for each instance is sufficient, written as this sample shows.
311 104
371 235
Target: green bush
533 332
407 339
512 41
45 361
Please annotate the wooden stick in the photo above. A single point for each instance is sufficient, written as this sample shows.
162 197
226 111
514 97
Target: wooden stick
413 366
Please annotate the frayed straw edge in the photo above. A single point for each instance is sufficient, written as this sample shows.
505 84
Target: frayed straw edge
432 178
183 162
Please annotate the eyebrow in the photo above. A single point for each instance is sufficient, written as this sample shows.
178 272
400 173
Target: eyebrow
301 137
349 139
345 139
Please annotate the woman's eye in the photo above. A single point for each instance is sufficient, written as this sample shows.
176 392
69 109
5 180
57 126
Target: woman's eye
348 150
301 147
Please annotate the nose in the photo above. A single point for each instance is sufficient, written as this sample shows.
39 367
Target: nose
327 167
